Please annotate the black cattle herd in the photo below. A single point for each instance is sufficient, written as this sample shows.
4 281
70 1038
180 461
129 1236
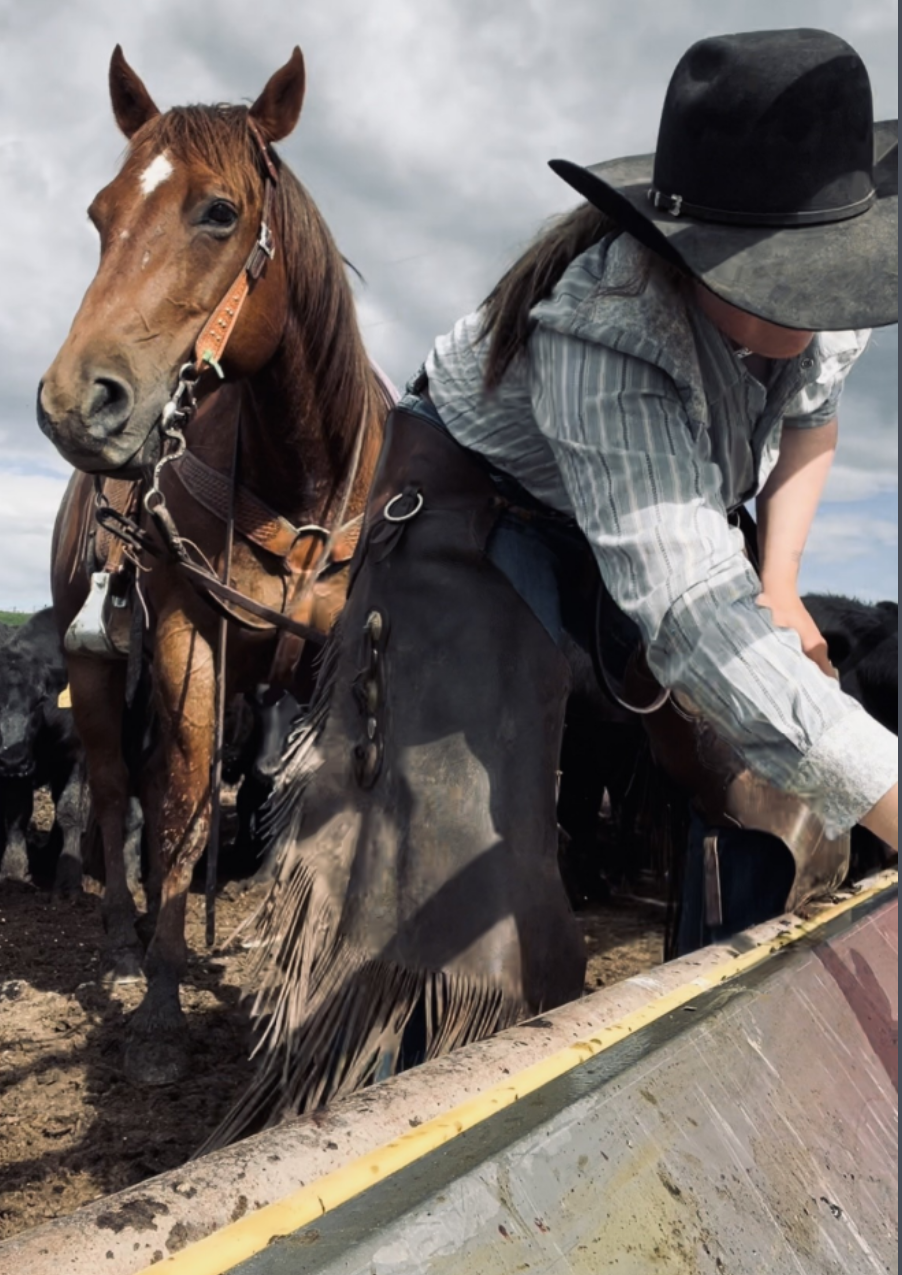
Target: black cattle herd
602 821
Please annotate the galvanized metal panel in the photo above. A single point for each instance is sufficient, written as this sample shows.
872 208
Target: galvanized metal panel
780 1082
762 1138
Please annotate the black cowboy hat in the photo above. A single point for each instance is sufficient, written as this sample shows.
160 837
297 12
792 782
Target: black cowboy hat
771 183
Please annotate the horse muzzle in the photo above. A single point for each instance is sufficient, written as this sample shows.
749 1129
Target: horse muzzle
99 430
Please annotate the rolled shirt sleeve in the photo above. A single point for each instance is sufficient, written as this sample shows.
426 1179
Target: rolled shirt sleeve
648 497
817 403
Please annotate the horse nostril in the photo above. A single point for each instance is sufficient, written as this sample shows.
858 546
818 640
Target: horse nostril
109 404
42 414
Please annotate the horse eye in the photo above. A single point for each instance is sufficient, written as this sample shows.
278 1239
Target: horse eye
221 214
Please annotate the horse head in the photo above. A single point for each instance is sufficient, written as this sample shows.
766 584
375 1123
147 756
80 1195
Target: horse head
176 225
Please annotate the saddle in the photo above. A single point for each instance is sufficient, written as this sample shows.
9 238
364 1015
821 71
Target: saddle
105 623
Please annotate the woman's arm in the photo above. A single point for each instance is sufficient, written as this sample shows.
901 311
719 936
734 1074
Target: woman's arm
648 497
785 509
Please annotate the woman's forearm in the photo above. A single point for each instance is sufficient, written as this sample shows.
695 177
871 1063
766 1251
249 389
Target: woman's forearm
786 507
787 504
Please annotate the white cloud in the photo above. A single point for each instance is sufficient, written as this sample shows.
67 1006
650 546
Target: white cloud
28 505
424 138
848 483
839 538
852 553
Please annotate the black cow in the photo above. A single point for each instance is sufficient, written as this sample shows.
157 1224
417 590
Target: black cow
863 644
38 745
600 753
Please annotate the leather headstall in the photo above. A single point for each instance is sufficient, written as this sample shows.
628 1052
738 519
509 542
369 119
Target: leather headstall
212 341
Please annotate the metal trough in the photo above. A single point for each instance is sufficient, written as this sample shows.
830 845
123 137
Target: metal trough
734 1111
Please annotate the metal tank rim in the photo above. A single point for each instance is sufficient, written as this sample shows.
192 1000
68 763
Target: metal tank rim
224 1209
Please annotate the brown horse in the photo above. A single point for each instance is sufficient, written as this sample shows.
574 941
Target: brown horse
201 212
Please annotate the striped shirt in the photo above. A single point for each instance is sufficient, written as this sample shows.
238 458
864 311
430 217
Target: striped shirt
632 413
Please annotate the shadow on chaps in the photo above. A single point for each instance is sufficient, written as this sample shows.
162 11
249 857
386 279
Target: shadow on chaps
418 903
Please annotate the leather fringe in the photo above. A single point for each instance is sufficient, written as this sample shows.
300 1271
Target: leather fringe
329 1020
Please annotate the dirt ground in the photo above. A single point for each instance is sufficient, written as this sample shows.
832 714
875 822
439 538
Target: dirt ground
71 1128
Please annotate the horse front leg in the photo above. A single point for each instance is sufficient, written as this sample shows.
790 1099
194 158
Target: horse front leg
177 813
98 699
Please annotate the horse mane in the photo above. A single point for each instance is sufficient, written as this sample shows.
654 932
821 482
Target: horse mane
326 336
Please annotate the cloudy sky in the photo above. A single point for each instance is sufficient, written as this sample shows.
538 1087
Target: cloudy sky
424 139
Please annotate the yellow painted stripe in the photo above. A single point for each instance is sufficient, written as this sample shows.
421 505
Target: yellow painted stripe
241 1240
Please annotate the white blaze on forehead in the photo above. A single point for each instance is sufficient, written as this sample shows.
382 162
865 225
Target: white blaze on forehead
157 172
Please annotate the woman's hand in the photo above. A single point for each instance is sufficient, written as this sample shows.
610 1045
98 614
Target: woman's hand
790 612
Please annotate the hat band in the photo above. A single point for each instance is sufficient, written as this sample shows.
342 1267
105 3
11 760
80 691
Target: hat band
677 206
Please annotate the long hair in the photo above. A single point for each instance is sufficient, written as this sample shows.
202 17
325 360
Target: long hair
506 324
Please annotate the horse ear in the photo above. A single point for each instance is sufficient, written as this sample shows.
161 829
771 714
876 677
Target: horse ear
132 104
278 107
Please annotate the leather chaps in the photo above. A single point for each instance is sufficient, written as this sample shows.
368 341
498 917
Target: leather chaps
418 903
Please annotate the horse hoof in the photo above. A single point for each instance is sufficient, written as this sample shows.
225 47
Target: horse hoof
152 1063
67 881
123 966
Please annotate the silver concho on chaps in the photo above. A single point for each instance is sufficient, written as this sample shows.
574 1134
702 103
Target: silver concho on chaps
418 903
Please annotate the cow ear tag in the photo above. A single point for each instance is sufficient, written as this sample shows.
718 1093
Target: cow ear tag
65 697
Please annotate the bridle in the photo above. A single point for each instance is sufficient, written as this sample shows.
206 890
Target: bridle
214 336
176 416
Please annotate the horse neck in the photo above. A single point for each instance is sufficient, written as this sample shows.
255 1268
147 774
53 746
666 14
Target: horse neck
297 442
305 409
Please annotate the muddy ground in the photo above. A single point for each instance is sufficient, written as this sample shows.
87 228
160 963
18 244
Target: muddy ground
71 1128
